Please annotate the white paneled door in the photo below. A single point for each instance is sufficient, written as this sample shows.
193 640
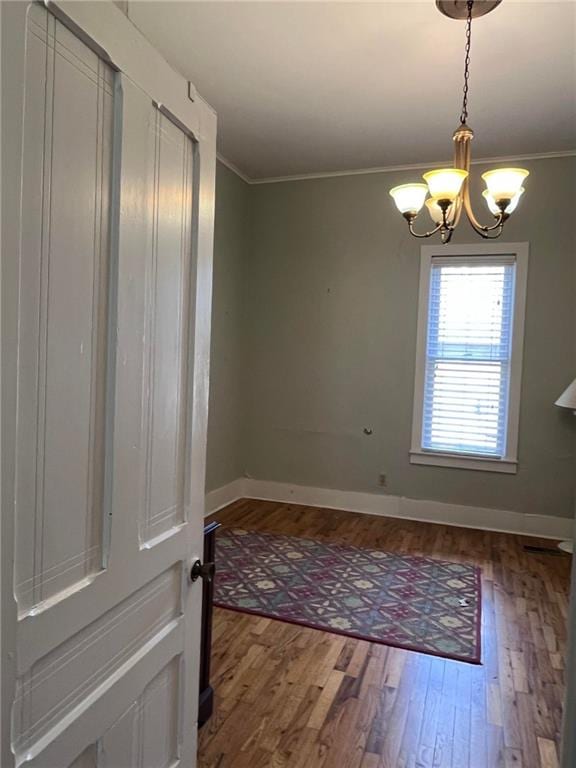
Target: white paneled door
107 201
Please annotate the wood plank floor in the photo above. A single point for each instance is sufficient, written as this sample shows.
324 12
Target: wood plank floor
288 696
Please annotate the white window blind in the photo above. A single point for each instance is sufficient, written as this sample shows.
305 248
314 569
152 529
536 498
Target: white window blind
468 356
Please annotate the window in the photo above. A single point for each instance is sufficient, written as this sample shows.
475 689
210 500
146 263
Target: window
468 369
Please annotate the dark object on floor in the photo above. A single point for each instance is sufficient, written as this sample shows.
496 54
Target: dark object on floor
544 550
206 703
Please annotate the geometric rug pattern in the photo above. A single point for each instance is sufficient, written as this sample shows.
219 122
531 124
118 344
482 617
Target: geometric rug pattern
406 601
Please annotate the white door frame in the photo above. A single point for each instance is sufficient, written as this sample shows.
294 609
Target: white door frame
104 28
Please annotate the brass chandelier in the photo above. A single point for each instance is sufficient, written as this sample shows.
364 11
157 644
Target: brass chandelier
449 187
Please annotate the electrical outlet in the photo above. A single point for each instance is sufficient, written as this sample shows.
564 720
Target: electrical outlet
382 480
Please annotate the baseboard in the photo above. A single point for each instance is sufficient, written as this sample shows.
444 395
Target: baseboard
221 497
505 521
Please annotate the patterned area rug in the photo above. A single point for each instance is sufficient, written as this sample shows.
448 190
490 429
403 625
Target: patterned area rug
416 603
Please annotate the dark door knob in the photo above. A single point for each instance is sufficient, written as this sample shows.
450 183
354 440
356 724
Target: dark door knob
203 571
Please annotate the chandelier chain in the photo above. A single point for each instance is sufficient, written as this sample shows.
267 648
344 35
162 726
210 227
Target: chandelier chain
464 113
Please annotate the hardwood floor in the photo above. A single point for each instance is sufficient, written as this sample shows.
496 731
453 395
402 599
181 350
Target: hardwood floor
288 696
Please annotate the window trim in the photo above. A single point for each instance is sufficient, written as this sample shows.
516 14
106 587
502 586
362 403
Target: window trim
484 252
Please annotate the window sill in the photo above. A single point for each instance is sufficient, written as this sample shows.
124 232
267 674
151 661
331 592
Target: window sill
457 461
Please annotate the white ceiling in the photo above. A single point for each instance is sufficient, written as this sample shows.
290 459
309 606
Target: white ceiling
311 87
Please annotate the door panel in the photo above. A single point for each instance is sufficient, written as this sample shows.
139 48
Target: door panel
146 735
63 311
61 682
111 406
166 319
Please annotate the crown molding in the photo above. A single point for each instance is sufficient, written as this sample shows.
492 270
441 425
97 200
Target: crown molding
234 168
389 168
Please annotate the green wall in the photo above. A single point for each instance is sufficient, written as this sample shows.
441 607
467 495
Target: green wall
224 457
328 338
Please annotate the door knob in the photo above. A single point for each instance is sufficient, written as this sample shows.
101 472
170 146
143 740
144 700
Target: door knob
203 571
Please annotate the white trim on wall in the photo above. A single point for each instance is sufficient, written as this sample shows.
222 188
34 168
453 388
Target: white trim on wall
226 494
389 168
234 168
504 521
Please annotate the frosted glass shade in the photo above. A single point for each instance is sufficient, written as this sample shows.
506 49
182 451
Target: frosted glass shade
510 208
436 212
504 183
409 198
568 398
445 183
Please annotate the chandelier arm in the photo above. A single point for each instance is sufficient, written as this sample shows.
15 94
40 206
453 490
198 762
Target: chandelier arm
457 212
500 219
497 231
423 234
485 232
476 225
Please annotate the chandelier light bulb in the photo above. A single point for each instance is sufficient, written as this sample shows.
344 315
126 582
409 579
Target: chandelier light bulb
493 206
504 183
445 183
409 198
435 211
